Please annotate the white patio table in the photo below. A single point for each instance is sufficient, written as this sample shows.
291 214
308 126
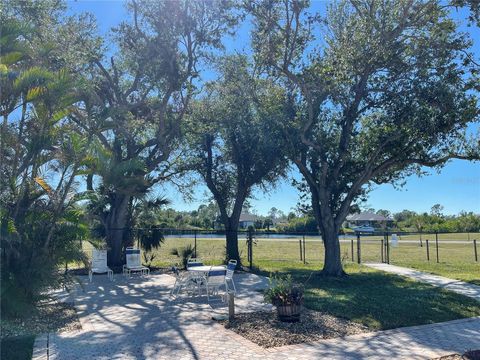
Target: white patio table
204 269
198 274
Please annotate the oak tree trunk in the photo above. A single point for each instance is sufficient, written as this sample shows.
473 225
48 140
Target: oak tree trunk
232 245
231 226
332 265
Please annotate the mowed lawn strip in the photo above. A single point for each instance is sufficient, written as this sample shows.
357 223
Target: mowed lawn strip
469 272
379 300
456 261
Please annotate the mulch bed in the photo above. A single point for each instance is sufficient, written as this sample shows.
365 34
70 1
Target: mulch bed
264 328
50 316
469 355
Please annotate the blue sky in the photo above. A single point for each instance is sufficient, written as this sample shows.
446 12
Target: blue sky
456 187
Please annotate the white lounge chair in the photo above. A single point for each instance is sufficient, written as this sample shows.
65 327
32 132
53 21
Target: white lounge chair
134 263
99 264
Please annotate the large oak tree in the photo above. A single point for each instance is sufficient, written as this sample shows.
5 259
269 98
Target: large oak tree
235 145
382 88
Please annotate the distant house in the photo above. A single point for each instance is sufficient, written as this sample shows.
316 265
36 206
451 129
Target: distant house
368 219
246 220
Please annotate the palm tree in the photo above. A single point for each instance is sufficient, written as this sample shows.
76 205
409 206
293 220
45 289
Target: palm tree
41 156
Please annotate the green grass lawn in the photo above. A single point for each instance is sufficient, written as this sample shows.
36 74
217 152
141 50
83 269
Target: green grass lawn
377 299
456 260
17 348
469 272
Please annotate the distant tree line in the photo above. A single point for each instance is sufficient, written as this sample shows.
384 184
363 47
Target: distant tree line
430 222
206 218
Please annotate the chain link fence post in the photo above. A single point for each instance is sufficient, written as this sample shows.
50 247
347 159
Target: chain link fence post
250 248
304 253
358 249
428 250
195 246
351 246
382 248
475 249
388 250
300 247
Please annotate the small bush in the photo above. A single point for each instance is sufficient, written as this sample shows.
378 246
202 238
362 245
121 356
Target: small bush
282 291
184 254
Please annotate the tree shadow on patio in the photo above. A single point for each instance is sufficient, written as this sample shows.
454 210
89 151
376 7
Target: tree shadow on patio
136 318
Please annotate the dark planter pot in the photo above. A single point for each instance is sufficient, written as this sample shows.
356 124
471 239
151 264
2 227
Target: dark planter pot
289 313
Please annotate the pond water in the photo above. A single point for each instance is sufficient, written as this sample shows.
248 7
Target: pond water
257 236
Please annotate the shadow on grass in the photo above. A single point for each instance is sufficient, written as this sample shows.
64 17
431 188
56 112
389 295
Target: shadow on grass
474 282
17 348
381 301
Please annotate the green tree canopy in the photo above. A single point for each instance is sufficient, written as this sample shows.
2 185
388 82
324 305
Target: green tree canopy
138 99
234 142
384 91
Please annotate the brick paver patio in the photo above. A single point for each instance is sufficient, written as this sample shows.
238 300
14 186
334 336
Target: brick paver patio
457 286
136 319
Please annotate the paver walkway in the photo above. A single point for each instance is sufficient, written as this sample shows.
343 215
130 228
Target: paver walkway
135 319
457 286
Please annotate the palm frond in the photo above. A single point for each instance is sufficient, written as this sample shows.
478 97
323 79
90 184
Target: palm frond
11 57
32 77
43 184
35 92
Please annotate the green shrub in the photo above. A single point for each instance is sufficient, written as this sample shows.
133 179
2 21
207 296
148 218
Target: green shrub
184 254
282 291
29 266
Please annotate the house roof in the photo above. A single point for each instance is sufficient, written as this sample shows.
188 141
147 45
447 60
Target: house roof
247 217
366 216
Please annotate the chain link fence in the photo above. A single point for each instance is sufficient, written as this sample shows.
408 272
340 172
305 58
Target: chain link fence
263 248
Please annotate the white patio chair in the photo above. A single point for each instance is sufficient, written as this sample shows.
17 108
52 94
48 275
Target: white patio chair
182 281
194 262
215 280
232 264
198 279
99 264
134 263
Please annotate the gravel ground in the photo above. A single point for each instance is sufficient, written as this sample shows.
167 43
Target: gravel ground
264 329
469 355
50 316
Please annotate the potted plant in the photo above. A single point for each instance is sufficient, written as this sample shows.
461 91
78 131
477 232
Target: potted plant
286 296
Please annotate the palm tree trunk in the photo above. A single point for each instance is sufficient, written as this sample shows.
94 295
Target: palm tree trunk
116 229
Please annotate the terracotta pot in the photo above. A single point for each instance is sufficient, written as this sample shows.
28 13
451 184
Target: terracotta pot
289 313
